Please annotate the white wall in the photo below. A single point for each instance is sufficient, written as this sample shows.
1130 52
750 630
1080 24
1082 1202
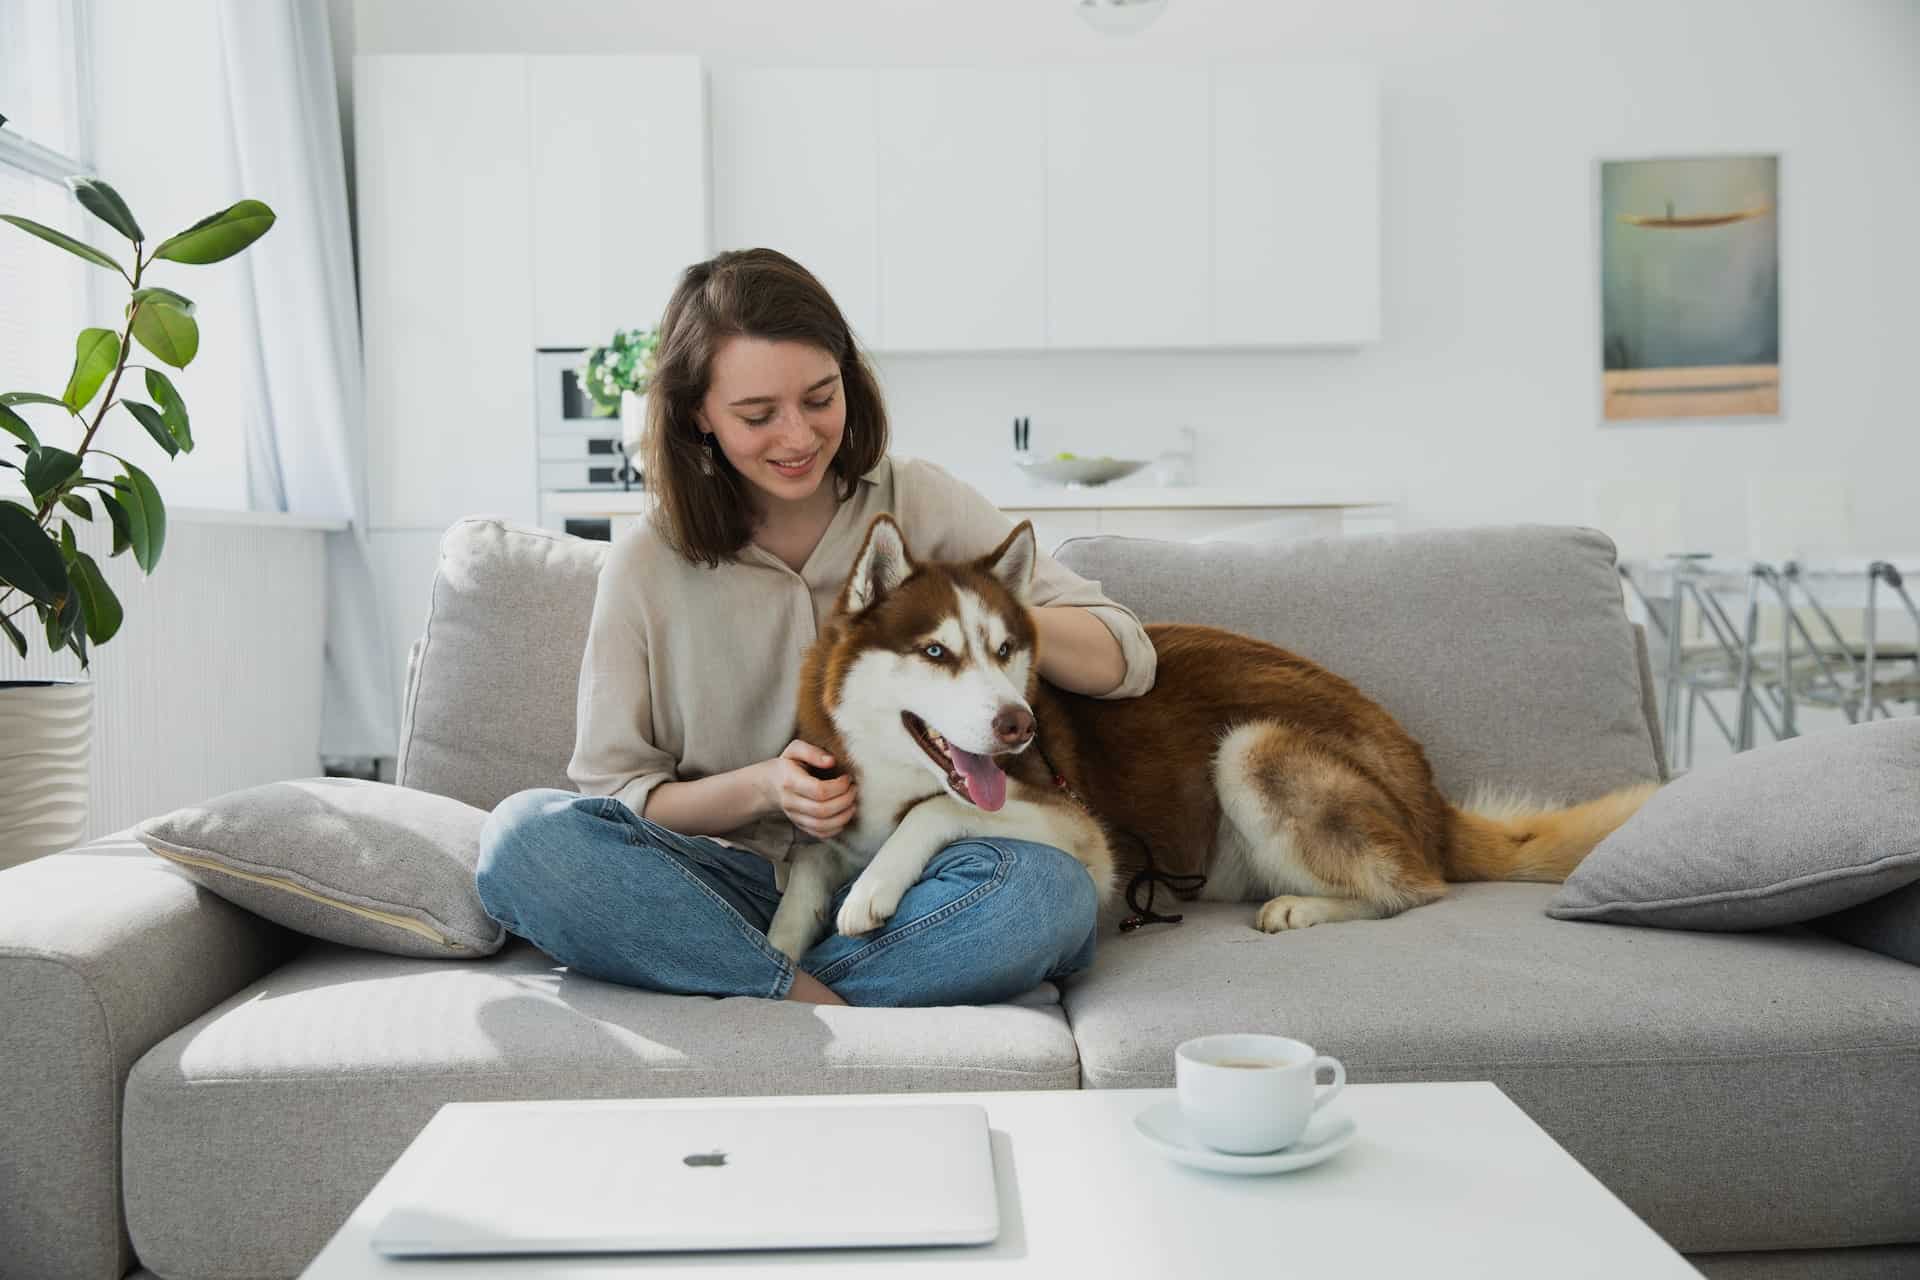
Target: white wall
1481 403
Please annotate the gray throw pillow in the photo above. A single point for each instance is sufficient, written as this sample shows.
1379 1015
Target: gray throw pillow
1773 836
363 863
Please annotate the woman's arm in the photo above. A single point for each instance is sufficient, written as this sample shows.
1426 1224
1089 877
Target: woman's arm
710 806
1077 652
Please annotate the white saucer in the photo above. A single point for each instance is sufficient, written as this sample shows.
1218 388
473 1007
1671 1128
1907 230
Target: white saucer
1164 1128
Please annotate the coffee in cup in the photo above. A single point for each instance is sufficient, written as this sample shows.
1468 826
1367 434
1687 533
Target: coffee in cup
1251 1094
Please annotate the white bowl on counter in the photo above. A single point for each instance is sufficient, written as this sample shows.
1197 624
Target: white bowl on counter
1078 472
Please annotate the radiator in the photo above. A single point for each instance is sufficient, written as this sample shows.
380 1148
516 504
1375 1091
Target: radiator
213 682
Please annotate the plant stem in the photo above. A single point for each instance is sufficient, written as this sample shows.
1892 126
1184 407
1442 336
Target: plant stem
120 367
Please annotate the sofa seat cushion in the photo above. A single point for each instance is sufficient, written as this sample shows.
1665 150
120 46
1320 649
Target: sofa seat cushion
252 1132
1738 1091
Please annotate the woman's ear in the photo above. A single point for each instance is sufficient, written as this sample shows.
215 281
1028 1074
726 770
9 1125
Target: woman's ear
1013 560
881 566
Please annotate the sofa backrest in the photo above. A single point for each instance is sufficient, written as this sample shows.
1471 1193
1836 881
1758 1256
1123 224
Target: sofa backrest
1505 651
489 705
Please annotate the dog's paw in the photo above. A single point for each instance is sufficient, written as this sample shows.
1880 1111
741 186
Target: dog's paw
868 907
792 939
1281 914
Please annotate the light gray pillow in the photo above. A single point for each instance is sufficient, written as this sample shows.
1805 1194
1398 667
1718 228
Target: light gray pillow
1773 836
363 863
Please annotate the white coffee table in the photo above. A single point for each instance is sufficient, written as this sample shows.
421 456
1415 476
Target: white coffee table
1442 1180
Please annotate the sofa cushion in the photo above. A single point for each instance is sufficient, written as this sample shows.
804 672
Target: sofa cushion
1738 1091
252 1132
1794 830
489 707
365 863
1505 651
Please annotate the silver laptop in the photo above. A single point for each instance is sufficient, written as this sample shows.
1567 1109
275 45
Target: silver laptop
584 1177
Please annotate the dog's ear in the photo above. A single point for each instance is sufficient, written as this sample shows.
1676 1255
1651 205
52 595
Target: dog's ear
1012 561
881 566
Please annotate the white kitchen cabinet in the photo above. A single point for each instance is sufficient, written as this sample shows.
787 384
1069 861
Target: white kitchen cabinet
619 189
961 173
1295 205
1127 207
446 287
793 170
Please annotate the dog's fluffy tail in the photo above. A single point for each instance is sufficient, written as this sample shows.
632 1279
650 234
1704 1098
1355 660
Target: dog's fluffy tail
1490 838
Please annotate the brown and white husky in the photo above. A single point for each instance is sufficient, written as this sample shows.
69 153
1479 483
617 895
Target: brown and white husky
1277 780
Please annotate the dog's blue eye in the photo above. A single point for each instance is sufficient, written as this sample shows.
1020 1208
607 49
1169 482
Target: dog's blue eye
935 651
1006 649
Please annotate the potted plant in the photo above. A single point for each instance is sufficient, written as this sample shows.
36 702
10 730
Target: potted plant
615 377
44 724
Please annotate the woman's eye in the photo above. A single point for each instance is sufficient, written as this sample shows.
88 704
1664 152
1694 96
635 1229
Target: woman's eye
824 404
759 422
935 651
1006 650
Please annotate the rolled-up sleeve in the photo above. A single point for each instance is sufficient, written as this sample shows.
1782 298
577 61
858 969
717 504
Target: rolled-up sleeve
613 750
963 523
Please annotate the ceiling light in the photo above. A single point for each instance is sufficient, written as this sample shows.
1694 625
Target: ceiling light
1120 17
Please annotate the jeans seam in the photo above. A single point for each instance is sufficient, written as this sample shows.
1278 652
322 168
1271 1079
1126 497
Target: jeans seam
783 979
1003 863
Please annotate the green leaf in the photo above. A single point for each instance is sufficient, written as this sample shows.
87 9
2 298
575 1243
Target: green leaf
122 522
14 634
77 504
155 424
65 241
146 516
31 397
62 620
219 235
168 332
17 425
104 203
168 296
97 601
95 352
173 410
48 470
28 559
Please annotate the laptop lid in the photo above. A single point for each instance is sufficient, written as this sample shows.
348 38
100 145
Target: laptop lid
573 1177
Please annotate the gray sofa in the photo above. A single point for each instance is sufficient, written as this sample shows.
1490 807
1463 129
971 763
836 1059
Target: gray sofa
198 1093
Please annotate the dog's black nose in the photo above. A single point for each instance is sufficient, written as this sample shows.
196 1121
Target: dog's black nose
1013 726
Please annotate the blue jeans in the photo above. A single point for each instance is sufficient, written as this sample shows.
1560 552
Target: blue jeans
616 897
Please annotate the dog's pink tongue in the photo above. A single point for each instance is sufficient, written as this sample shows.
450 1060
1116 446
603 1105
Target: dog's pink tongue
986 784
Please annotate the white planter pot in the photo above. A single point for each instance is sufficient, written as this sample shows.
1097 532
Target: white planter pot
633 421
46 731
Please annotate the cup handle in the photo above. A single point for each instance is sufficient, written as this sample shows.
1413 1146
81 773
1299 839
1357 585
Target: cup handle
1339 1079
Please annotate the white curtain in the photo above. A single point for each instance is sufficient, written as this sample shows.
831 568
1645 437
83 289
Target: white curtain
303 410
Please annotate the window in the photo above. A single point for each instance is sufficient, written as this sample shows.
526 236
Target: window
45 294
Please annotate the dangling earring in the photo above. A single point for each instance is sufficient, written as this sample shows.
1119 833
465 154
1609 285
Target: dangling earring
706 454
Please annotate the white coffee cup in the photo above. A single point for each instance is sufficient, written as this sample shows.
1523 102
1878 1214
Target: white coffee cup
1250 1094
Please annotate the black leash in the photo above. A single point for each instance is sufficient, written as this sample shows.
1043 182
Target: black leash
1150 878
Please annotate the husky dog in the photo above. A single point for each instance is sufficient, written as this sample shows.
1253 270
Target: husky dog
1273 778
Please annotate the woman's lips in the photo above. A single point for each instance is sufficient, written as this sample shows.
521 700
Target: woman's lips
804 466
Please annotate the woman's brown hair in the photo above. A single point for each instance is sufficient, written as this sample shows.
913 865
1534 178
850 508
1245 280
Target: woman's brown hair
703 511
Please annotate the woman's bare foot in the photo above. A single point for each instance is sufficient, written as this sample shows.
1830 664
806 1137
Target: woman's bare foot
810 990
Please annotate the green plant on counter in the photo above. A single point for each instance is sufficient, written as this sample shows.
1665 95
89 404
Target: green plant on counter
60 582
625 363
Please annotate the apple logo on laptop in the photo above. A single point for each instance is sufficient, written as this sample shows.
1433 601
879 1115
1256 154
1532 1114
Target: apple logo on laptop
711 1159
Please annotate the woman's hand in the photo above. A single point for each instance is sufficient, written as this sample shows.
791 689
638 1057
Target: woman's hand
821 807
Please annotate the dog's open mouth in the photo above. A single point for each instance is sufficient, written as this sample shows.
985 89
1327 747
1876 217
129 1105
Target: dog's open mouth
974 778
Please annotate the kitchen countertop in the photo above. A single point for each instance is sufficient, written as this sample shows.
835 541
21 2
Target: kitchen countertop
1061 498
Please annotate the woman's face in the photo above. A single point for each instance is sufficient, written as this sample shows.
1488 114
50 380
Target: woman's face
778 411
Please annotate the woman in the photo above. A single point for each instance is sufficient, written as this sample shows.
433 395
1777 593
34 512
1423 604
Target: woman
767 452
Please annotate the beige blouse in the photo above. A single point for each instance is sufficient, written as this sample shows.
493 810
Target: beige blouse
692 671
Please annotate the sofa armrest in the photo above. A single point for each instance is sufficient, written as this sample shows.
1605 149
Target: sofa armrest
104 950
